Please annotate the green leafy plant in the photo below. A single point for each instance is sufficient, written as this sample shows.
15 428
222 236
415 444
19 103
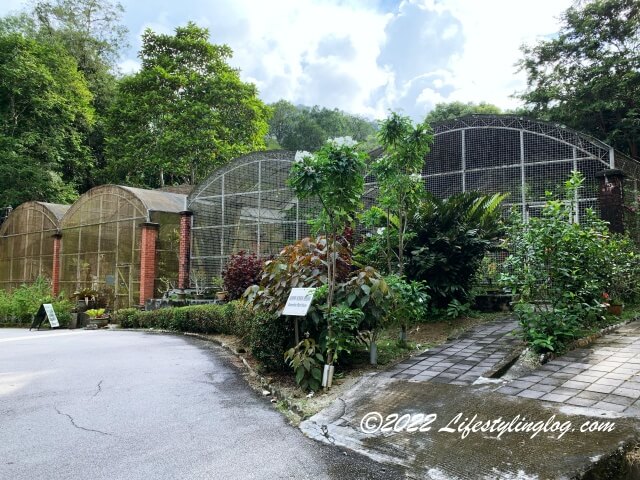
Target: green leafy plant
343 323
456 309
409 300
95 312
334 176
559 270
306 361
451 238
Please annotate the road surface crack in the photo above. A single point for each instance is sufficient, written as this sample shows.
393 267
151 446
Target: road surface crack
99 388
78 426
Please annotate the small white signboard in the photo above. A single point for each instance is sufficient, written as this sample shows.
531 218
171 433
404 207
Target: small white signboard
51 314
299 302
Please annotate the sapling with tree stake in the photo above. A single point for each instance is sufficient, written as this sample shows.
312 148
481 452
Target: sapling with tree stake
334 176
398 174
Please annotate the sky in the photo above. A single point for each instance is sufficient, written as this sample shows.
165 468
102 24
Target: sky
362 56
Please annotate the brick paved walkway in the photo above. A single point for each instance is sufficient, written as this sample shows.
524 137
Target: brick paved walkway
605 375
464 360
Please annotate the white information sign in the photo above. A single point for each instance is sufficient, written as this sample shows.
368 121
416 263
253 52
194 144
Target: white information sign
51 314
299 302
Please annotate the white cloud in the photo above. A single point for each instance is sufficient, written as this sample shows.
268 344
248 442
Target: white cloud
354 55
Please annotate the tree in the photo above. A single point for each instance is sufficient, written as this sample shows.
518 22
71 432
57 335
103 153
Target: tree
184 113
92 33
334 176
588 76
45 108
307 129
398 173
448 111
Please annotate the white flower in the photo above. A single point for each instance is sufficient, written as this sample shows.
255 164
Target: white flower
343 141
416 177
380 231
301 155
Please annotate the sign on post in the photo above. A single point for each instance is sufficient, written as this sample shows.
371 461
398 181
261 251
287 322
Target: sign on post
299 302
298 305
45 312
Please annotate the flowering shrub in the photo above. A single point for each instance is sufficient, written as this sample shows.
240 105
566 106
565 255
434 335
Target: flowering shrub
242 271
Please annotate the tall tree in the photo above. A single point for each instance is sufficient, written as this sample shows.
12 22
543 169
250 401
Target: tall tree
92 33
45 108
588 76
303 128
184 113
448 111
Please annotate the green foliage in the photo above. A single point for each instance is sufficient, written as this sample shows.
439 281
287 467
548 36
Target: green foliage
560 269
397 173
306 361
184 113
449 111
451 238
409 301
90 31
334 176
20 305
270 336
587 75
456 309
232 318
95 312
367 290
343 323
45 109
303 128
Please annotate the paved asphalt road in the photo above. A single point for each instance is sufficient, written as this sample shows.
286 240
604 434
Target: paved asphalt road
126 405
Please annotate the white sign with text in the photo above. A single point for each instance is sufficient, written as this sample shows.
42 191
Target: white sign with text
299 302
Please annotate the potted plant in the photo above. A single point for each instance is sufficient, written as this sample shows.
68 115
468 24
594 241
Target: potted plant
218 286
98 317
84 297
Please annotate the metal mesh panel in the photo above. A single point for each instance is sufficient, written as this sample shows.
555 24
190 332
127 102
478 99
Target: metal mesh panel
514 155
246 205
26 243
101 240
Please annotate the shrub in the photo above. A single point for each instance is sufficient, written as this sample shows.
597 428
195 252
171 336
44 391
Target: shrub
270 337
445 243
232 318
302 265
451 237
127 317
242 271
560 269
20 305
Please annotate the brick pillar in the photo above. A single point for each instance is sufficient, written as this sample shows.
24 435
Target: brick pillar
148 260
610 198
185 249
55 270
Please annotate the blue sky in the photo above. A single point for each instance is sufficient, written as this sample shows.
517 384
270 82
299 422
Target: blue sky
362 56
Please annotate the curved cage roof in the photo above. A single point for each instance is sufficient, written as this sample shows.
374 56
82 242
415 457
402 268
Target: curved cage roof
103 204
33 217
246 165
246 205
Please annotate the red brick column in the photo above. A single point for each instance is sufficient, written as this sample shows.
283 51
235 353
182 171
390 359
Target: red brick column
148 260
55 270
185 249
